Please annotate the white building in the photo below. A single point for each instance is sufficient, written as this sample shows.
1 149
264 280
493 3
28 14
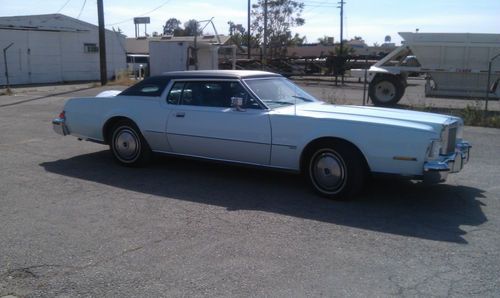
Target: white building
56 48
171 53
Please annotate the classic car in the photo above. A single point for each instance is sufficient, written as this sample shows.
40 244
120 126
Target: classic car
263 119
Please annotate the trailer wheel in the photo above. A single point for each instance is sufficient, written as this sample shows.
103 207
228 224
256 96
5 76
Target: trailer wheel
386 90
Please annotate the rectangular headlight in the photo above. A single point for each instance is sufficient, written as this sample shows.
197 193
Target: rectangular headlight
460 132
435 149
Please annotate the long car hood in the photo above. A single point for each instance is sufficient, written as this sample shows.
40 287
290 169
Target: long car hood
373 114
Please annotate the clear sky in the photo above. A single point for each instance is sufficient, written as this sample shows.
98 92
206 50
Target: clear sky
370 19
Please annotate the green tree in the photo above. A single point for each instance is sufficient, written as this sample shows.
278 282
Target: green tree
298 40
282 15
172 26
192 28
239 37
235 28
324 40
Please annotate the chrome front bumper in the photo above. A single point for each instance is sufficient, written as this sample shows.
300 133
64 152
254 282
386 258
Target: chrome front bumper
437 170
60 127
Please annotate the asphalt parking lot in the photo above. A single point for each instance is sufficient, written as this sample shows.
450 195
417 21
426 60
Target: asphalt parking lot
74 223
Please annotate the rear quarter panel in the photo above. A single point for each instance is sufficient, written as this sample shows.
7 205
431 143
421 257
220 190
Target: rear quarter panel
86 117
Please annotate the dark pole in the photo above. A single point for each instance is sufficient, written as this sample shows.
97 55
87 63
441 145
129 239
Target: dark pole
264 50
102 43
342 35
364 83
6 68
195 48
249 48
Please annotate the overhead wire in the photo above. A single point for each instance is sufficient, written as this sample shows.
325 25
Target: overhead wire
64 5
318 4
81 10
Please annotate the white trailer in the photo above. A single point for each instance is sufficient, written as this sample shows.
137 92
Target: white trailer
455 64
168 55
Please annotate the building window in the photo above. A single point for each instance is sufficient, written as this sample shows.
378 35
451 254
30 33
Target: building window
90 48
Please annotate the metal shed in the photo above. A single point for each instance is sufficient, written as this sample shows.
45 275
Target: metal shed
56 48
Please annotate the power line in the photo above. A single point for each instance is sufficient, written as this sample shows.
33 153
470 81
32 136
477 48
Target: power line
317 5
62 7
321 3
143 14
81 10
318 2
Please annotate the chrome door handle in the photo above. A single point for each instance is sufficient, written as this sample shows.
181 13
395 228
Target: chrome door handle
180 114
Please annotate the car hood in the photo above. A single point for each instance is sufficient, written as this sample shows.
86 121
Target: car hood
375 115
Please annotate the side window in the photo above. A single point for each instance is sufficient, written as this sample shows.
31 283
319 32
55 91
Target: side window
174 96
216 94
208 94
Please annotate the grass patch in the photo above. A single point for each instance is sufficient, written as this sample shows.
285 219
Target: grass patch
7 91
123 79
473 115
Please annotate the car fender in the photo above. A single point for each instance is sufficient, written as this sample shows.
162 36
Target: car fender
380 143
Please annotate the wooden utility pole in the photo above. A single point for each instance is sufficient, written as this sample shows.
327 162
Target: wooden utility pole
341 27
342 35
264 49
102 43
249 48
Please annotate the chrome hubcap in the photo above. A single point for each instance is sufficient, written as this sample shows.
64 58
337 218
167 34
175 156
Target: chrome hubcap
385 91
127 144
328 171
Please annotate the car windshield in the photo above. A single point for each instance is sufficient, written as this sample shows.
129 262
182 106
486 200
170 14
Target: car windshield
278 92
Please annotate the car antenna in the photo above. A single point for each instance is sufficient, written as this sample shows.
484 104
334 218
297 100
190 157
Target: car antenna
295 105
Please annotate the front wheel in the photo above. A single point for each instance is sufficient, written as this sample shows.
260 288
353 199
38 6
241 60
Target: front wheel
128 145
336 171
386 90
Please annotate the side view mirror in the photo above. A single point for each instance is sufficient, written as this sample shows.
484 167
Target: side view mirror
237 103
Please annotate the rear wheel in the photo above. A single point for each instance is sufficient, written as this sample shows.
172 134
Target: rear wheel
128 146
386 90
335 170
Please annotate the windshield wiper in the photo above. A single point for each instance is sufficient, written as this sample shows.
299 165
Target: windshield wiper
303 98
279 102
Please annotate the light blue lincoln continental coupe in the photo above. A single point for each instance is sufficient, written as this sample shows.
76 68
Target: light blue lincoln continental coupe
262 119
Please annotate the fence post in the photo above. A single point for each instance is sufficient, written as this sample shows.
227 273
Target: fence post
364 82
6 68
488 86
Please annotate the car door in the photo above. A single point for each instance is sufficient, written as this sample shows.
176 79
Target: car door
204 124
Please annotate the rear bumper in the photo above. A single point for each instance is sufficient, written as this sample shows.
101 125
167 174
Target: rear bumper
60 127
437 170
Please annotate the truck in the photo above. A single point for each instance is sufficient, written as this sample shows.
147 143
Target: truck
454 64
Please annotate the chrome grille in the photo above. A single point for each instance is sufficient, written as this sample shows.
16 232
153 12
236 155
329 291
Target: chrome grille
449 138
452 139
